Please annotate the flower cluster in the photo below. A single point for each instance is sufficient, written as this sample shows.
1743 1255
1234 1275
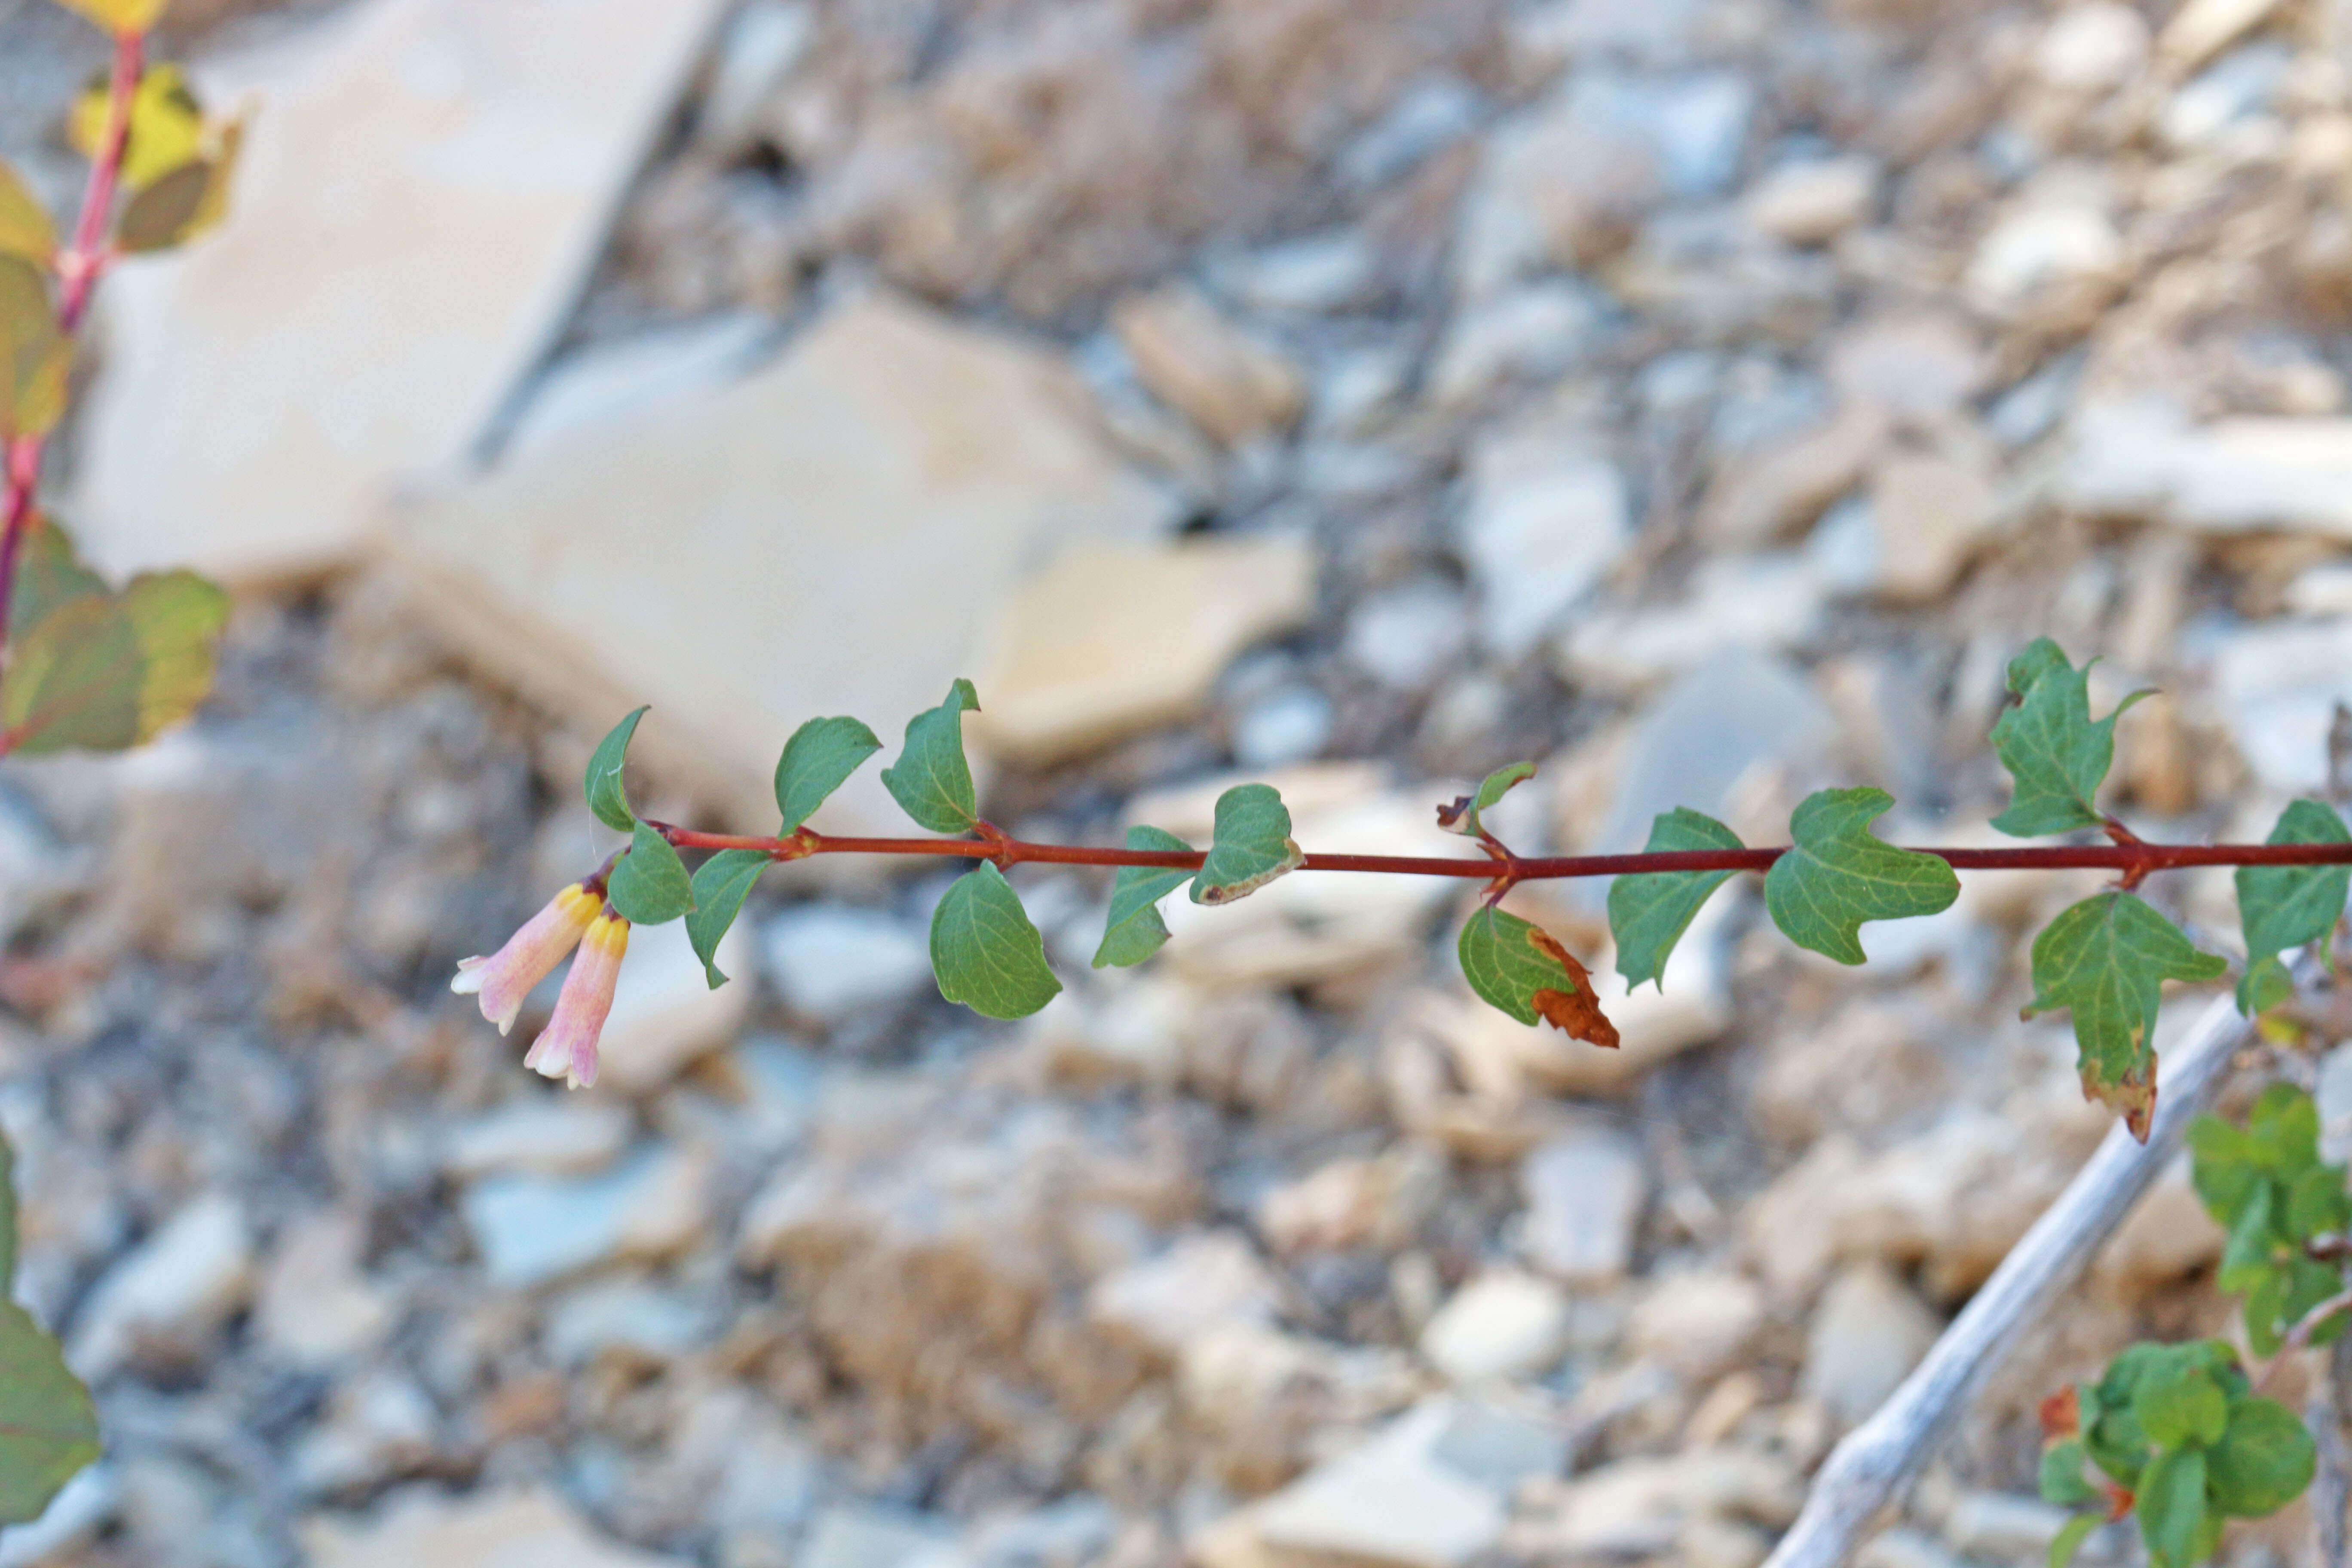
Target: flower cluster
576 917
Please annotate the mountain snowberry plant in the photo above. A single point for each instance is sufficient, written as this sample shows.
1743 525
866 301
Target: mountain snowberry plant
83 665
2103 960
2175 1431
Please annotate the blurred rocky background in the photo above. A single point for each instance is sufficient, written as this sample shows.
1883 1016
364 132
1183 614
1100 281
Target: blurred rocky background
1702 398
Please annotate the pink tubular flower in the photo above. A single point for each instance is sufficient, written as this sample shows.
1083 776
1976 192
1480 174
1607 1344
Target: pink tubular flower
506 977
566 1048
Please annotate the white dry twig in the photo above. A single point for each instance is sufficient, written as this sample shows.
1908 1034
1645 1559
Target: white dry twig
1868 1469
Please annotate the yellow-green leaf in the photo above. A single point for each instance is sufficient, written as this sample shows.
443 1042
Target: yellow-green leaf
167 126
34 354
107 671
25 226
184 204
119 15
177 618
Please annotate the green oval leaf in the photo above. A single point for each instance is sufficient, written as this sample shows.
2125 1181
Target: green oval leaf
606 795
2261 1462
2062 1481
720 885
2178 1403
1649 912
932 782
2057 756
1134 931
984 950
48 1427
649 885
821 755
1837 874
2106 960
2287 906
1252 845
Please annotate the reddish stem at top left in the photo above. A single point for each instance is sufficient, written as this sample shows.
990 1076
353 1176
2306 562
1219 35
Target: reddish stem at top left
79 263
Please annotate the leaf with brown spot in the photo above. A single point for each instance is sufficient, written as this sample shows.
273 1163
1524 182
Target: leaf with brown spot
1518 969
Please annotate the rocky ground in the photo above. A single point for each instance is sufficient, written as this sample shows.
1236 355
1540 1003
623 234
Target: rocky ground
1703 398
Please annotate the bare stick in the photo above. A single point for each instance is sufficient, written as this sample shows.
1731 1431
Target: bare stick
2331 1489
1866 1470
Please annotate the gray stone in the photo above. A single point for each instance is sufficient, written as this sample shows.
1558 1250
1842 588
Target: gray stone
1531 332
831 961
2002 1526
1404 636
1867 1334
1288 724
1812 202
316 1305
2142 456
1204 1281
487 1529
1759 603
605 386
531 1229
624 1315
542 1134
1584 1189
665 1015
859 1535
1544 523
413 216
698 563
1322 272
1732 712
1392 1500
175 1289
1501 1324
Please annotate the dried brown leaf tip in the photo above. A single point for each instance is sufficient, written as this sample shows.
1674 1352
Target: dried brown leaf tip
2062 1415
1451 817
2133 1098
1578 1012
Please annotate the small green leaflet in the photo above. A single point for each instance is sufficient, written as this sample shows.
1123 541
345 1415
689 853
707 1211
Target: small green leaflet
1648 914
2170 1502
1837 874
984 950
820 756
2106 959
720 885
2287 906
25 226
1135 930
1252 847
2071 1536
48 1427
649 885
932 783
606 798
2261 1463
1462 816
2178 1402
2057 756
1518 969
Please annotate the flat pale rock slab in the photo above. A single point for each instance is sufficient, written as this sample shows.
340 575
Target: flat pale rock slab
828 536
1112 640
424 187
512 1529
